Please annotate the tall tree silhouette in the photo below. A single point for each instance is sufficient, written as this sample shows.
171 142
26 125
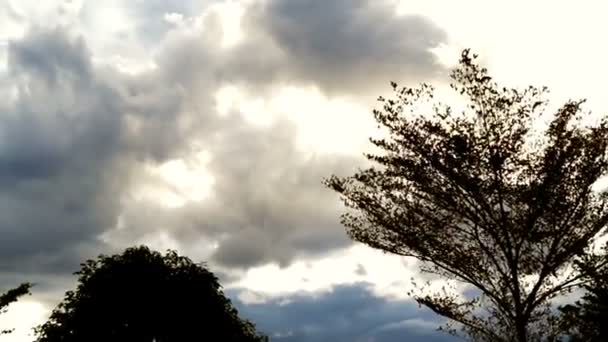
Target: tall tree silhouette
482 199
10 297
142 295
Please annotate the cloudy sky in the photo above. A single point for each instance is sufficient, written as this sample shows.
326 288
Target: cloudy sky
206 126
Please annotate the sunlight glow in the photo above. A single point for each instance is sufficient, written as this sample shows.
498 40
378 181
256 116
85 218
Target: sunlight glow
317 118
22 316
177 182
231 13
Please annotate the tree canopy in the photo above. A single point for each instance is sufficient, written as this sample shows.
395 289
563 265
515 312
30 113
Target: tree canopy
10 297
142 295
498 196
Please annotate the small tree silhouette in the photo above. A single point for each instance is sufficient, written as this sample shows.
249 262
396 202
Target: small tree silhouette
142 295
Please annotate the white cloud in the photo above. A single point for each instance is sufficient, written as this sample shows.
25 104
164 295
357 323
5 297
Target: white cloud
389 274
415 323
174 18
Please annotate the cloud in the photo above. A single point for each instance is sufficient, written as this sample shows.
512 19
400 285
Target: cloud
80 134
266 203
77 134
360 270
345 313
77 137
150 25
74 139
342 46
58 141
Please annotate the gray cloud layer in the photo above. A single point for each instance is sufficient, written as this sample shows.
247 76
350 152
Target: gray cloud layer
58 143
346 313
350 45
69 153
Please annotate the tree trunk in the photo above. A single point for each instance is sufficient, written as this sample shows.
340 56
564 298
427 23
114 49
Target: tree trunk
522 333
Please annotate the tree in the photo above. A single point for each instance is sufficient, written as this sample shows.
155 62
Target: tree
10 297
142 295
585 320
480 198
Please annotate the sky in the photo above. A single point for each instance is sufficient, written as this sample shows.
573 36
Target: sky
207 127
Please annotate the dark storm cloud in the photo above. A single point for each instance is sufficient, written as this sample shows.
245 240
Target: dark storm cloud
67 155
50 56
346 313
342 46
57 142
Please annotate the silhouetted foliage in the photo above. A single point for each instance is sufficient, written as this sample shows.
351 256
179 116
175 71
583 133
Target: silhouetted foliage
12 296
482 199
142 295
587 319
